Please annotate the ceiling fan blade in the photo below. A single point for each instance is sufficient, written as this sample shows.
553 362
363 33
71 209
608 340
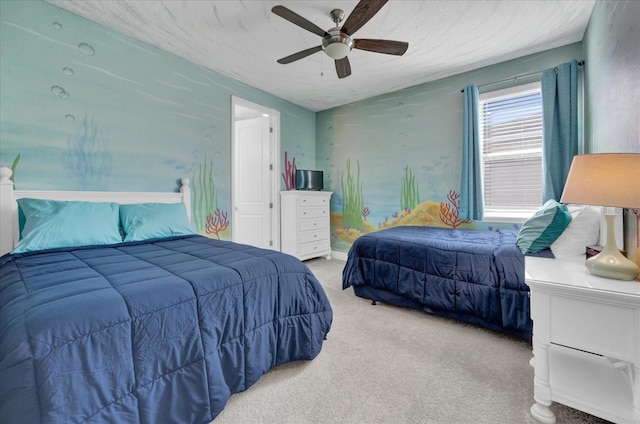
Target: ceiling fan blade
294 18
381 46
299 55
343 68
361 14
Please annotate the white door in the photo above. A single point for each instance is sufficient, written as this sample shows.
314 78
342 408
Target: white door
253 170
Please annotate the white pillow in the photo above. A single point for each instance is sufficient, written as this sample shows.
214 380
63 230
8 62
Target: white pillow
583 231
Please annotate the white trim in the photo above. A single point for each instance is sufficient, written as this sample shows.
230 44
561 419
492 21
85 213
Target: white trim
9 226
508 92
274 116
340 256
508 216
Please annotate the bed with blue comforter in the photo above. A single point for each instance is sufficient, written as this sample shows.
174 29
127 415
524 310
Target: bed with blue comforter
472 276
159 331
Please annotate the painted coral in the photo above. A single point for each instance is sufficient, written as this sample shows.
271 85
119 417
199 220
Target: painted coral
216 223
289 174
450 212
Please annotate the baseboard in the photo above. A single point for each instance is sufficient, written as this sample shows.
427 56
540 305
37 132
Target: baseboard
341 256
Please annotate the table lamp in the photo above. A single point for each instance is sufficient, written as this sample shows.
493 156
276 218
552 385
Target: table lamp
610 180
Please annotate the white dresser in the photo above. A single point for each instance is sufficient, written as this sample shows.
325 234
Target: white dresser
304 223
586 340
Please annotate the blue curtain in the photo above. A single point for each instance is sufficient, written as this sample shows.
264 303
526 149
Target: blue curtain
560 126
471 193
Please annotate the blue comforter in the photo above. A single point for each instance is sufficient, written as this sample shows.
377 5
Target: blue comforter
161 331
473 276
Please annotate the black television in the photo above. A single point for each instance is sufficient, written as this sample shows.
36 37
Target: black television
307 179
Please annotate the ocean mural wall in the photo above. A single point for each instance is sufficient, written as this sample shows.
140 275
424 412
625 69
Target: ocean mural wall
88 108
612 47
84 107
396 159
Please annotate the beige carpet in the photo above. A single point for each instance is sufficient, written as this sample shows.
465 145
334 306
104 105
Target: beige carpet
386 364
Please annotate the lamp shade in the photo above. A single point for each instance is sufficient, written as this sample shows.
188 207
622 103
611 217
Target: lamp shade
604 179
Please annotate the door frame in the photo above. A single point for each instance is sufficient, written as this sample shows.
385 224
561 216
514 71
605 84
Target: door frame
274 120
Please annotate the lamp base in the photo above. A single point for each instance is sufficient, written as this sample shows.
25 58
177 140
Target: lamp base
611 265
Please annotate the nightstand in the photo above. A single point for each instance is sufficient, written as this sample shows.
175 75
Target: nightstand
586 340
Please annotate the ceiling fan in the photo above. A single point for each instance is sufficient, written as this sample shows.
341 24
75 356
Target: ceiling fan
337 42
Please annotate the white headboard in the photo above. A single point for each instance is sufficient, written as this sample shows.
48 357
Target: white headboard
9 226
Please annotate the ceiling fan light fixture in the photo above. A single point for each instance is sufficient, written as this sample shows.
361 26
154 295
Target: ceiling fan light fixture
337 42
337 50
337 45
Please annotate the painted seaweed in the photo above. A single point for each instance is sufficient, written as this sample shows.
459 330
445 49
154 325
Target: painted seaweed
205 195
409 196
14 165
352 199
88 157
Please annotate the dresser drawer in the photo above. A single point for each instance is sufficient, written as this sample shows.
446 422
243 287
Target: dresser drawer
604 329
319 247
313 224
313 201
313 213
311 236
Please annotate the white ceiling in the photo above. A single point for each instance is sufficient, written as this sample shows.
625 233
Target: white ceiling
243 39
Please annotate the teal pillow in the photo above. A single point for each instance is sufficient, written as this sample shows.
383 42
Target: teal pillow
544 227
50 223
142 221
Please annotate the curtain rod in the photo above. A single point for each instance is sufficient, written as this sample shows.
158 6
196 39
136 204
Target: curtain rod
517 77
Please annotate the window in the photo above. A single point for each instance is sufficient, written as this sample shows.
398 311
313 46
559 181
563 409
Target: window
511 135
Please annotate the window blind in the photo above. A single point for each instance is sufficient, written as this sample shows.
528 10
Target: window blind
511 131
